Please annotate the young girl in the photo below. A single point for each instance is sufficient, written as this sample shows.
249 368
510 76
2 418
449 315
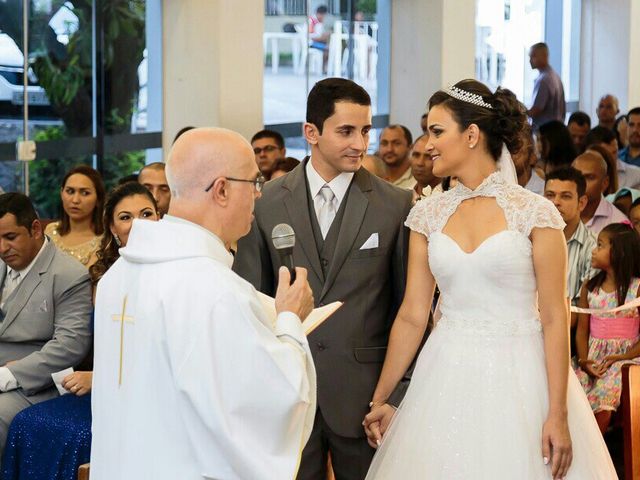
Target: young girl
605 341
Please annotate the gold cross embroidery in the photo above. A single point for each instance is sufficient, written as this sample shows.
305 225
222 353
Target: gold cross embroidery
122 318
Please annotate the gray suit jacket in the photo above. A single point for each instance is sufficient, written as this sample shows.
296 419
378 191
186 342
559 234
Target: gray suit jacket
349 348
47 323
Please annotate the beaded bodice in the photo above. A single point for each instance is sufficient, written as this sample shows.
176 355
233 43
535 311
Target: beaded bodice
492 290
81 252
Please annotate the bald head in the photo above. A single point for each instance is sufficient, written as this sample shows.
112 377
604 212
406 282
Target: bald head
594 159
593 167
607 111
202 154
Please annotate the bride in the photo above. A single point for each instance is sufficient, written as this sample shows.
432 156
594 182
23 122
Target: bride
492 396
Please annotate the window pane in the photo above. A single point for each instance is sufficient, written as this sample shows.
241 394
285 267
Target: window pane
505 29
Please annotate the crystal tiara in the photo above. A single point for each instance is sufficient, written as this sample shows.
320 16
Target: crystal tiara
468 97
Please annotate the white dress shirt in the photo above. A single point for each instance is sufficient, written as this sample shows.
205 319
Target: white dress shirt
339 186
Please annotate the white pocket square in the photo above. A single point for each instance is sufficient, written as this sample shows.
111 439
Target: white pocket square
372 242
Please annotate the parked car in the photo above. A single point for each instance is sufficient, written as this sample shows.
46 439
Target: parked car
11 77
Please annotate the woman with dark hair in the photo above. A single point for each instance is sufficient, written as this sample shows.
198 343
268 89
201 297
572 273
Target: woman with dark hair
556 147
52 439
80 226
492 386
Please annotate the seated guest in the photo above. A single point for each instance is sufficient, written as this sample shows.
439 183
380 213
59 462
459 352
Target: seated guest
45 307
525 161
80 226
374 165
628 175
556 147
624 198
284 166
579 125
599 212
612 171
607 111
153 177
424 125
52 439
422 169
631 153
268 147
395 144
634 215
608 340
620 128
566 188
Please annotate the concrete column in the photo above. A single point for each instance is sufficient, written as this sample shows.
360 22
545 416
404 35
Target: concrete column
432 45
212 65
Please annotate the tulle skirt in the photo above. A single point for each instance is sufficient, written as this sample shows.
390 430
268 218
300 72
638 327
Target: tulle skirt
475 410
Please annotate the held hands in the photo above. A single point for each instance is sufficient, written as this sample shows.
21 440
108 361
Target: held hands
376 423
592 369
296 298
556 446
78 383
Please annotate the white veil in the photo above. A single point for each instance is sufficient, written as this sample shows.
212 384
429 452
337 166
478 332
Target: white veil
506 167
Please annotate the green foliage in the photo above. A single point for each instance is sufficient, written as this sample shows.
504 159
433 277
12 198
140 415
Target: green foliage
368 7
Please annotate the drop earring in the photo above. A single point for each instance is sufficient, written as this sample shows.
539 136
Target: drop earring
117 239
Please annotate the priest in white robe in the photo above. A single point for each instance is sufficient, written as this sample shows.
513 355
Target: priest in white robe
192 380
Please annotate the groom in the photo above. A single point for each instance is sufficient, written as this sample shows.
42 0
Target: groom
350 236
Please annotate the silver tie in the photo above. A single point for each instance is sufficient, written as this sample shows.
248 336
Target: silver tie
10 283
327 211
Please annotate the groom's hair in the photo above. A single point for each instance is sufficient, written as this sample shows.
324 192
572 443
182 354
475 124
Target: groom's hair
569 174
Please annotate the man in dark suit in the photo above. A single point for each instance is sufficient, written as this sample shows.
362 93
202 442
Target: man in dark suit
350 236
45 310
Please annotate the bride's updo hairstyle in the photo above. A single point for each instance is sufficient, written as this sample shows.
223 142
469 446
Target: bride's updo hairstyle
502 123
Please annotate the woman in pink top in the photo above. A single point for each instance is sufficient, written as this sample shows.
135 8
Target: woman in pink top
605 341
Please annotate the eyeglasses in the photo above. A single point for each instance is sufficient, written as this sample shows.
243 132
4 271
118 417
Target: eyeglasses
267 149
258 183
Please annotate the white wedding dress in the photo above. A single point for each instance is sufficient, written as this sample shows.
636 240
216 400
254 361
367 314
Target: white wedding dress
478 397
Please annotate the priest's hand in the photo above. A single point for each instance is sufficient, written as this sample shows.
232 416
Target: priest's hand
297 297
78 383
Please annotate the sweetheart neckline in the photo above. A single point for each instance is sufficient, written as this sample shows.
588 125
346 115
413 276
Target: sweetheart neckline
497 234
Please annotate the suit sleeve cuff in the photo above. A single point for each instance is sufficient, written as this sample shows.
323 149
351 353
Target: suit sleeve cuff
7 380
288 324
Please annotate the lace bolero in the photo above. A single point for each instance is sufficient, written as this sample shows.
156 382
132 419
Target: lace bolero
523 210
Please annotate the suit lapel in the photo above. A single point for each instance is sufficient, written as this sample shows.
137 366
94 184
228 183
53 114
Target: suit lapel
297 206
354 212
27 286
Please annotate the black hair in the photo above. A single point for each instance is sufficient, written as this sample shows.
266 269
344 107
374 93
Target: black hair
569 174
407 134
322 9
285 164
108 252
324 95
180 132
540 46
633 111
625 259
581 118
20 207
558 149
600 134
501 124
269 134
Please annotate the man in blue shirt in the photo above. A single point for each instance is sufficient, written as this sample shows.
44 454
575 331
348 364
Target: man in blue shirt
548 93
631 153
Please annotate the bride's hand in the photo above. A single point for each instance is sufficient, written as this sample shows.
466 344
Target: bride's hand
556 446
377 422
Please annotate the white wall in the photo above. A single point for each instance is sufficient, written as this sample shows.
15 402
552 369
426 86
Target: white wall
212 65
432 46
610 55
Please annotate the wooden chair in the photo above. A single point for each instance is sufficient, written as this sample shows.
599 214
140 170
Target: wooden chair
631 420
83 472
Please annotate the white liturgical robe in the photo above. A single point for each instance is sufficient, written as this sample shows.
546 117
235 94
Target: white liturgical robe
191 378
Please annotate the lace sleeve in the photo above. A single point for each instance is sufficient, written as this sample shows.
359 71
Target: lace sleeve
543 214
417 219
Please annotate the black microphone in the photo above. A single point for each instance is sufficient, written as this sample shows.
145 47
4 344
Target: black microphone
284 238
